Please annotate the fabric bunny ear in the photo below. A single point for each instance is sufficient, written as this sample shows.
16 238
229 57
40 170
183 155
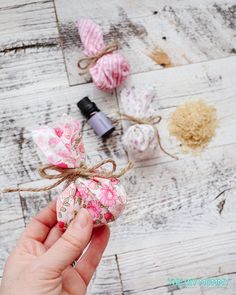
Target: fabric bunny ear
128 100
137 103
61 145
91 36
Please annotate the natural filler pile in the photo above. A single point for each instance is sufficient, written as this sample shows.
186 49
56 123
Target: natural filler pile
193 124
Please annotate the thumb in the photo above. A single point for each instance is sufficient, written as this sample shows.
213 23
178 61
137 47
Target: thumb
71 244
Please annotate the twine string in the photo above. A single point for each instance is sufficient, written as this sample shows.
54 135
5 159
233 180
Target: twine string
71 174
86 62
152 121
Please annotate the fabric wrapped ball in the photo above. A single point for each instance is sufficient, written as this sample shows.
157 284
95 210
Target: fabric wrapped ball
140 141
110 71
105 200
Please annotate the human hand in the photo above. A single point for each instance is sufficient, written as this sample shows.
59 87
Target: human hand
41 262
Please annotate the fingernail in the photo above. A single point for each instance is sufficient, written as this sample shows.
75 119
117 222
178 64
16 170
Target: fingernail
82 218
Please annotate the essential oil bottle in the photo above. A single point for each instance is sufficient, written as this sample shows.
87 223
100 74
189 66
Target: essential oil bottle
96 119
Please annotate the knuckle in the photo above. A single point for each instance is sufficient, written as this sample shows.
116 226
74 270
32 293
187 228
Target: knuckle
41 271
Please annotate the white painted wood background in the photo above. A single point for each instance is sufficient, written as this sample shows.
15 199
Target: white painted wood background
172 226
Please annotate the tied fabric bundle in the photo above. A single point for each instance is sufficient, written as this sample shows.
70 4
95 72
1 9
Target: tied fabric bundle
96 189
107 67
142 138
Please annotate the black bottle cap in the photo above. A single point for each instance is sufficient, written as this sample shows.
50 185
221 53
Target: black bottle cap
87 107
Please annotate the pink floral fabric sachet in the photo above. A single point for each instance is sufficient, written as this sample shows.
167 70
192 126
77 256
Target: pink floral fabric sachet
111 69
105 199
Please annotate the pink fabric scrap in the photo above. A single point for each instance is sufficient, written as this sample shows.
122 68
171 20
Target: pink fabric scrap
111 69
105 199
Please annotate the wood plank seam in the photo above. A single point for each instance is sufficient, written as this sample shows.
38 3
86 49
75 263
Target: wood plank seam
36 45
24 4
119 272
61 43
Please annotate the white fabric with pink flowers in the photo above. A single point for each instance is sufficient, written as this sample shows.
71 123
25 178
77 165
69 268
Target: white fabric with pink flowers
105 199
139 140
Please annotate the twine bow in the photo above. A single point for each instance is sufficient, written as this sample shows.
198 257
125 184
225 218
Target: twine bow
71 174
91 60
148 121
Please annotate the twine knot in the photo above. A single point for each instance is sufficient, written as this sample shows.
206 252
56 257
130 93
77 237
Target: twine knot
152 121
86 62
71 174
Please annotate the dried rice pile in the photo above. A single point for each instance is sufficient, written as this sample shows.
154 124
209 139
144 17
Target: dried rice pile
193 124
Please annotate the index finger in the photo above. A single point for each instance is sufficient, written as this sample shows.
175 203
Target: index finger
41 224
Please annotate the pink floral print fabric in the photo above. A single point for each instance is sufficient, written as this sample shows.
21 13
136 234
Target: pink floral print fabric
111 69
105 199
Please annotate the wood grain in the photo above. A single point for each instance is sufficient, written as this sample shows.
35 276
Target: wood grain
180 217
27 23
11 224
33 70
20 116
187 31
107 272
213 82
31 58
177 201
150 268
179 194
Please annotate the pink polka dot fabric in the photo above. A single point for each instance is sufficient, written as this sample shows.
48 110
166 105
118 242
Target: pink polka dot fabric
111 69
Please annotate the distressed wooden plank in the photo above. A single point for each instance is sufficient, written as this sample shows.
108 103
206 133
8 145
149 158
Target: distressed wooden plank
176 201
49 106
212 81
218 291
150 268
182 207
31 60
168 202
32 203
19 116
30 54
134 228
27 23
107 279
187 31
179 290
201 189
11 221
30 71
